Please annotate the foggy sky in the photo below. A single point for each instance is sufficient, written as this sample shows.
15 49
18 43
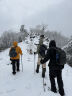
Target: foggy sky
57 14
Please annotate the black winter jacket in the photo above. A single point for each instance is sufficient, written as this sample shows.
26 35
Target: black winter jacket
51 55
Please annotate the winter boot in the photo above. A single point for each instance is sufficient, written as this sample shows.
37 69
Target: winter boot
18 70
13 73
37 70
55 91
43 72
62 95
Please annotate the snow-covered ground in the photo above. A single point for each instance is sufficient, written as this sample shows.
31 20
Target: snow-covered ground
27 83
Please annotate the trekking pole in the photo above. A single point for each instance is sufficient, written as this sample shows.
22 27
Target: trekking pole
44 84
21 63
34 63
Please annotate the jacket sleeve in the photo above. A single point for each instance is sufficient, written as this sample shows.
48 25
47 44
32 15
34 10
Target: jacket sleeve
47 57
20 51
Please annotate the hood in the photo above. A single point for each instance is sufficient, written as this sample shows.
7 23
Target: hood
15 43
52 43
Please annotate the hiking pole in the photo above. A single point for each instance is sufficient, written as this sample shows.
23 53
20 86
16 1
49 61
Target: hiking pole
34 62
44 84
21 63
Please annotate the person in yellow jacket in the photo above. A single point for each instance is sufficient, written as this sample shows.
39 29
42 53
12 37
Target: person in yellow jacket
15 59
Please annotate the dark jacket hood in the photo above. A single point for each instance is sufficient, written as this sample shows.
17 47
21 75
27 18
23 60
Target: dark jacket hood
52 43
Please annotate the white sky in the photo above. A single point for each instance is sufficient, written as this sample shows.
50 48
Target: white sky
56 13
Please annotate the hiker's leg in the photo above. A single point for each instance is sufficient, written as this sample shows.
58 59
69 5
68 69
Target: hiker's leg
13 66
18 64
43 70
38 65
52 80
60 82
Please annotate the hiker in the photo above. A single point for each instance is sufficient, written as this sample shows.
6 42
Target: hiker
15 53
40 56
55 70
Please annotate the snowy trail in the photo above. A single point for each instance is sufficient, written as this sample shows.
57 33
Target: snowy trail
27 83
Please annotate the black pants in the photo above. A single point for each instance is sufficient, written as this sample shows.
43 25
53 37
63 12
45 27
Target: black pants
58 74
15 65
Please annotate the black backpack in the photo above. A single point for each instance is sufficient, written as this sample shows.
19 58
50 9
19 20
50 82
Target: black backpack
13 52
43 50
60 56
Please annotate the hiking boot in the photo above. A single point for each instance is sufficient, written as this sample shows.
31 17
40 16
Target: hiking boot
18 70
55 91
37 70
63 94
13 73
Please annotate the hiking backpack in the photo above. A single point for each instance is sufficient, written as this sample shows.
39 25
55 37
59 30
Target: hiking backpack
60 56
13 52
43 50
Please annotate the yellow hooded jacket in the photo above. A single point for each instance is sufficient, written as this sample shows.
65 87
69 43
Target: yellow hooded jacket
18 50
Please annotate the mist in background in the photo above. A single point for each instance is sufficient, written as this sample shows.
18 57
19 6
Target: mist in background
56 14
